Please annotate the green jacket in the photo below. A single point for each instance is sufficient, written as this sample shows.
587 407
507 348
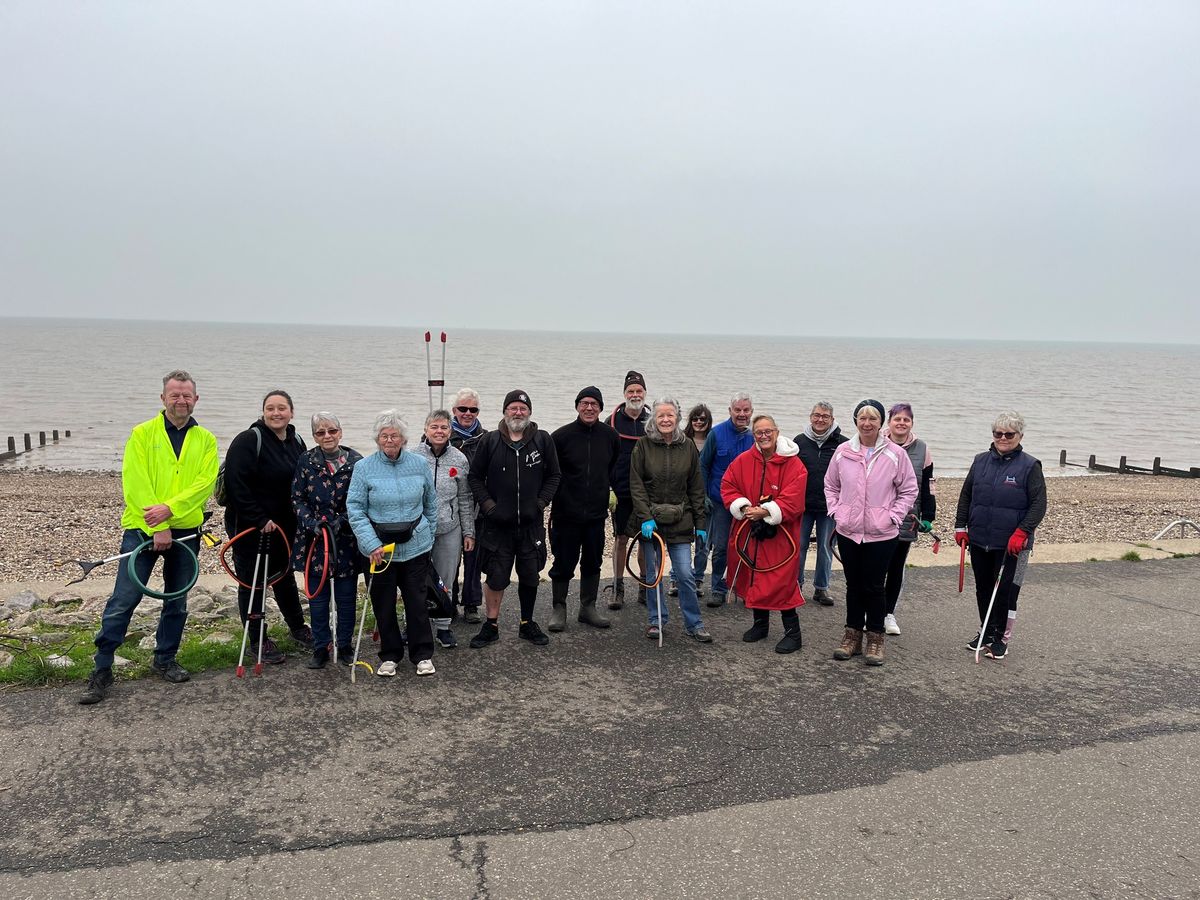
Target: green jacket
150 474
666 485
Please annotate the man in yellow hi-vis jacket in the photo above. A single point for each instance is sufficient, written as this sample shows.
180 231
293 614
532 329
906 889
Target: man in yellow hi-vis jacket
167 474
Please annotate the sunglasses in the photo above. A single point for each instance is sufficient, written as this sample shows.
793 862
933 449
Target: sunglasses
324 431
1007 435
699 419
467 409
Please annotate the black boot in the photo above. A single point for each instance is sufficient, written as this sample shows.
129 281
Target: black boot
761 627
319 658
589 587
558 614
791 641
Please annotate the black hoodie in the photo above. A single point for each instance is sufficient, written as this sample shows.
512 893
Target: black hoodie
259 483
513 483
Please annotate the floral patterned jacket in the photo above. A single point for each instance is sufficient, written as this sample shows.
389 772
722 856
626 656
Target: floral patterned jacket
319 495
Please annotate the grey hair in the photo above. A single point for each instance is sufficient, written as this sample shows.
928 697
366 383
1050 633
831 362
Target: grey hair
179 375
1009 421
465 394
760 417
435 416
652 431
739 397
319 417
389 418
822 404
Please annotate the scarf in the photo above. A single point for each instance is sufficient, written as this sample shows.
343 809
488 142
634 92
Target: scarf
462 432
819 439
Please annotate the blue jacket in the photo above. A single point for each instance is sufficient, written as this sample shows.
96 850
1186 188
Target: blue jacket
387 491
999 495
723 445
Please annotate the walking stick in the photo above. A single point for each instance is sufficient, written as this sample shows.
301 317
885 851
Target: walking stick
241 669
962 565
988 614
429 369
361 623
442 382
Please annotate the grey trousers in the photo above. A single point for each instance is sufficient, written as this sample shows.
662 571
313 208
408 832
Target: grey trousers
446 555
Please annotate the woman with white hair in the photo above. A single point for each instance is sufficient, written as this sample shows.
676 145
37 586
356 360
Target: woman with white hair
391 502
668 498
1003 499
325 551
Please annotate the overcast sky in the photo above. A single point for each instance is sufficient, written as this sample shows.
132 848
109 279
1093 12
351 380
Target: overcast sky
948 169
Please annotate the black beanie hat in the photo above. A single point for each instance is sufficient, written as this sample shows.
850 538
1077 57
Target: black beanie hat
875 403
593 392
632 377
517 397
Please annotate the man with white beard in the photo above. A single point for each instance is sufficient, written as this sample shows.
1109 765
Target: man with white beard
513 476
629 419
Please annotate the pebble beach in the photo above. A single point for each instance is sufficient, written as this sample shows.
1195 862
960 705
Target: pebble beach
47 516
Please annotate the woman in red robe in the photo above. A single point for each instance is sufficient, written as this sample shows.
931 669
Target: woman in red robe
764 491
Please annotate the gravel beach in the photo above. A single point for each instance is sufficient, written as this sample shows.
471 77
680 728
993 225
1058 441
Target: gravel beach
55 515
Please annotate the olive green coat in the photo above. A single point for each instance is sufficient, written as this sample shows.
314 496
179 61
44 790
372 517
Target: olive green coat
666 485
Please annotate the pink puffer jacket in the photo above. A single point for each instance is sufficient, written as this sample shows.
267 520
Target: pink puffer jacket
868 499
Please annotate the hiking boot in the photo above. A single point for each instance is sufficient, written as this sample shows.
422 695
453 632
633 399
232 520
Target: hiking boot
757 632
319 658
471 615
618 594
170 671
588 614
345 655
488 634
98 684
673 589
997 649
270 652
529 631
701 635
852 642
302 636
653 631
790 643
641 595
699 587
558 612
890 625
445 638
874 651
715 600
425 667
822 597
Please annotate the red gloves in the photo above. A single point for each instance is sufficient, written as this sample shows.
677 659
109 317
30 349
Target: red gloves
1018 542
960 536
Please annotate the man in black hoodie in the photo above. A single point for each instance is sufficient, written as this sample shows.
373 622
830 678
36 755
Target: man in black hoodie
587 453
817 443
513 476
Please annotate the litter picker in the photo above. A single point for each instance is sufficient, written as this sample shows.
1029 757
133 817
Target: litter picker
988 615
439 383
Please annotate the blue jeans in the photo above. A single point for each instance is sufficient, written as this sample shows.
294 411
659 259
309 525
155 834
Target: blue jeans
345 595
178 569
824 526
681 559
719 523
699 563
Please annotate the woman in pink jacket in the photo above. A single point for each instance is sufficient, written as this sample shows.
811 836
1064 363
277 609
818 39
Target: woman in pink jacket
869 488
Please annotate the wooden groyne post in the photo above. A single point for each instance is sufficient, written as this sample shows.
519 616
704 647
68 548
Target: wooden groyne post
1123 467
27 439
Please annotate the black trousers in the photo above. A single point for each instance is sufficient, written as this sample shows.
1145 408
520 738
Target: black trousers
865 567
287 597
986 566
895 575
571 541
407 577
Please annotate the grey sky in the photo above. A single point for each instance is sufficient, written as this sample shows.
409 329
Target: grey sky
1005 170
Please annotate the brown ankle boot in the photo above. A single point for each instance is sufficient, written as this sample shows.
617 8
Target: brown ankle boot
874 654
851 644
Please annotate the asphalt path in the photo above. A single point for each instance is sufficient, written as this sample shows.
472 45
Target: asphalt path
603 766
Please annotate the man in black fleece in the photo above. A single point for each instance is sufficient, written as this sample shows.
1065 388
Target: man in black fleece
588 451
513 476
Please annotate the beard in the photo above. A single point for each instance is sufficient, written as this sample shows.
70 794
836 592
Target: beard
635 406
515 425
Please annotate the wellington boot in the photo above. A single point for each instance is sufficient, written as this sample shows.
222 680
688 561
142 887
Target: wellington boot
874 651
791 642
618 594
558 615
852 642
588 613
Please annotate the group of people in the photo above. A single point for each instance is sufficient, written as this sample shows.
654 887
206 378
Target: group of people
463 507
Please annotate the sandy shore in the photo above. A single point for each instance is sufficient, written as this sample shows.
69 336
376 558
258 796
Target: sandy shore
46 516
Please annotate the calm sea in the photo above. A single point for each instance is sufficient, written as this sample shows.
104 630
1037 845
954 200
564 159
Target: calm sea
98 378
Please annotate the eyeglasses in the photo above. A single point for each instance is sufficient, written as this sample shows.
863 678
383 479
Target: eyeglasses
590 404
820 416
389 438
467 409
324 431
1007 435
765 432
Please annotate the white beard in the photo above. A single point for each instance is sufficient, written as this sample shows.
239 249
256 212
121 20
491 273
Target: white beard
516 426
635 406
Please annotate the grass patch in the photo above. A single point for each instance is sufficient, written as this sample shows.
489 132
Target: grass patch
1132 556
1144 546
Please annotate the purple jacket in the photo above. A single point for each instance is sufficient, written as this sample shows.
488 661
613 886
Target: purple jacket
869 498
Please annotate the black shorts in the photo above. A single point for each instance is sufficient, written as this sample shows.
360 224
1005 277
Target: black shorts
620 516
500 549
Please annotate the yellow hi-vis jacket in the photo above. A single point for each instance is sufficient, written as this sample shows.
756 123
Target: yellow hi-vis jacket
150 474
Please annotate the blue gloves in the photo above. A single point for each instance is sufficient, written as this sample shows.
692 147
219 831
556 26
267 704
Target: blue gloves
648 528
702 535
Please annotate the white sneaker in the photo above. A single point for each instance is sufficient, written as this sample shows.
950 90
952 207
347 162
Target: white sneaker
386 669
425 667
889 625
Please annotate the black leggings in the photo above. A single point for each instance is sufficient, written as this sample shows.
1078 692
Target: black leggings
408 577
986 566
895 575
865 567
287 597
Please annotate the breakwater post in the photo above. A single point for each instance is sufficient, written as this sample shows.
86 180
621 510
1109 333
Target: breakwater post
27 440
1124 468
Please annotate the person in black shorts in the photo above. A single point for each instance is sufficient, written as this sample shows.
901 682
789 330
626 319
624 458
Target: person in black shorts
513 476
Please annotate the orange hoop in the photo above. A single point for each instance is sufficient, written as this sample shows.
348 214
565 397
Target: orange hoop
271 579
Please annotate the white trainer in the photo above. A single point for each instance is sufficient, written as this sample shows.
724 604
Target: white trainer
890 626
425 667
386 669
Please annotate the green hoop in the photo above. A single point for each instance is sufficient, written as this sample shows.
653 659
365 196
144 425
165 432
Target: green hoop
150 592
